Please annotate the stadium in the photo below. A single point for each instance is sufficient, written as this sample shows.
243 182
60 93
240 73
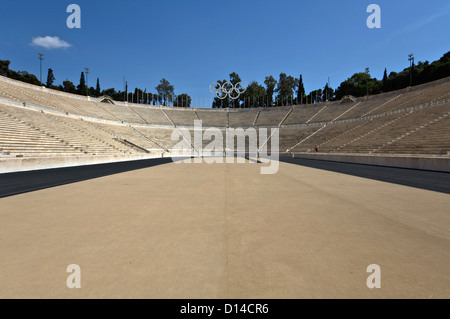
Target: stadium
100 183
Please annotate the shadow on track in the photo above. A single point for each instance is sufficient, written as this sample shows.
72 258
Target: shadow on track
23 182
429 180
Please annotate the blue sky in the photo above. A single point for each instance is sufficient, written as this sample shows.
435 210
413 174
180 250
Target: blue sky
193 43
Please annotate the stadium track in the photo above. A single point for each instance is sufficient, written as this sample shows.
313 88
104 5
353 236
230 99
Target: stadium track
226 231
23 182
429 180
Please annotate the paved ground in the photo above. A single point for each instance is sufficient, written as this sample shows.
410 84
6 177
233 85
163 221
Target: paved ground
225 231
23 182
430 180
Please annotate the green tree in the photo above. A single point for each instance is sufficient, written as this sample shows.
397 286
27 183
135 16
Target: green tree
285 89
300 90
357 85
182 100
97 89
385 78
221 102
4 67
270 83
315 96
149 97
81 88
110 92
226 101
50 78
235 79
255 95
138 96
165 90
327 93
24 76
69 87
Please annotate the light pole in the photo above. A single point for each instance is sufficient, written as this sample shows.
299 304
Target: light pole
411 62
367 83
41 57
86 70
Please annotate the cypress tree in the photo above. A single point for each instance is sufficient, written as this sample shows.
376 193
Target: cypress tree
82 89
300 91
384 85
50 78
97 89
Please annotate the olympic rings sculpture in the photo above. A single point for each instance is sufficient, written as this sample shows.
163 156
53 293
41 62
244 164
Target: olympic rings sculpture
226 90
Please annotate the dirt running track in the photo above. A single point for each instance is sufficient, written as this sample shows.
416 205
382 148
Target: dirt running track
225 231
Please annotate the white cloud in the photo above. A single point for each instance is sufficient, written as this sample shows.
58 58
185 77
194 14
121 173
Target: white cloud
49 42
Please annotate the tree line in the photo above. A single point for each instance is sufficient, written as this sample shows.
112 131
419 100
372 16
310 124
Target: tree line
359 83
164 95
286 90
